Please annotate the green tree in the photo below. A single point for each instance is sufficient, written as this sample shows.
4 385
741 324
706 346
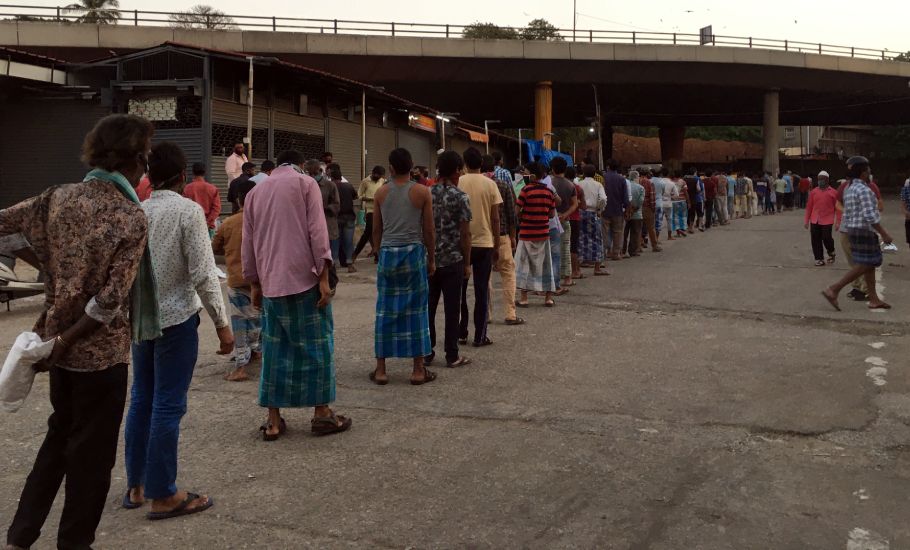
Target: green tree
902 57
489 31
96 12
892 141
540 29
201 16
749 134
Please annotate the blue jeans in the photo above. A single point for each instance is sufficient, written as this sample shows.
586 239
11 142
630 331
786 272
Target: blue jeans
345 247
334 244
556 254
162 371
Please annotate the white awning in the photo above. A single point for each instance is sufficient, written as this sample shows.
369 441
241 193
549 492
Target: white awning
27 71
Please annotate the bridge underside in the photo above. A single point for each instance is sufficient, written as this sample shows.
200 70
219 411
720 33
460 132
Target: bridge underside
632 93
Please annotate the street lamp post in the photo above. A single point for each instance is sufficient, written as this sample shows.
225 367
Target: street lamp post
249 101
444 117
519 147
486 130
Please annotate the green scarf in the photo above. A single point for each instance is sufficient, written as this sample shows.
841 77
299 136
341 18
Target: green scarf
146 324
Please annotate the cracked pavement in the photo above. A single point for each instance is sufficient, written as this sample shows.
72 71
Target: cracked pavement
705 397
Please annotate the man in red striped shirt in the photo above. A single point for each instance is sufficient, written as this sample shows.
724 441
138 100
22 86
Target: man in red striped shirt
534 269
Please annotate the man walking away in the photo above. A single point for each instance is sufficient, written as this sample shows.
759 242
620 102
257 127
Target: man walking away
452 219
862 225
485 199
403 229
205 195
286 260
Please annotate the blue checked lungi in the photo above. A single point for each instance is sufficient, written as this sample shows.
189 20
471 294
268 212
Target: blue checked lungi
591 243
865 248
245 324
534 266
680 216
298 345
402 318
659 219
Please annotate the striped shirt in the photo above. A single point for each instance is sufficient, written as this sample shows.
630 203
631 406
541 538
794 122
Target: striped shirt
537 204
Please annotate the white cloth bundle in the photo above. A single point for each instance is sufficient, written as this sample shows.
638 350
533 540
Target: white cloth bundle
17 375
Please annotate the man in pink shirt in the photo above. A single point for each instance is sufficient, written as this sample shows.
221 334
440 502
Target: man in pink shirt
820 211
286 259
205 195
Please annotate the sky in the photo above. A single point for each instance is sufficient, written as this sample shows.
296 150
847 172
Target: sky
876 24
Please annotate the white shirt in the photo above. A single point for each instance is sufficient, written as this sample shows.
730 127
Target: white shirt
259 178
665 190
232 166
182 260
595 196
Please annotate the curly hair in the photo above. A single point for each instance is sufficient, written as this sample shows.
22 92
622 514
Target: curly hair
116 142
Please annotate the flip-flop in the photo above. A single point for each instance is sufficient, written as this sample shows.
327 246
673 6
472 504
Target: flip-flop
428 376
377 382
328 425
516 321
580 276
485 342
831 300
561 292
521 304
819 263
266 436
882 305
831 259
128 503
549 303
601 273
460 362
181 509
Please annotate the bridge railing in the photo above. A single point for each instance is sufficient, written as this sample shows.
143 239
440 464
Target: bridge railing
393 28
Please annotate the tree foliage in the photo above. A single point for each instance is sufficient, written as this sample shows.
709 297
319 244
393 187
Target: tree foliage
489 31
201 16
96 12
902 57
749 134
540 29
892 141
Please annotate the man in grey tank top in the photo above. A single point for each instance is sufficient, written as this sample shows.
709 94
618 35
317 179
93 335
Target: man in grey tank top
404 233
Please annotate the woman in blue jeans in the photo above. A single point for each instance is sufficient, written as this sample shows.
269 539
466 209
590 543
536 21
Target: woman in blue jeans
184 268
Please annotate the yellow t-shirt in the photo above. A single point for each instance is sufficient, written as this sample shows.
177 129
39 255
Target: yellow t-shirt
367 191
484 195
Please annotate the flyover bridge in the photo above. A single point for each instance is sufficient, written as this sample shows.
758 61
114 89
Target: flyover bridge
602 78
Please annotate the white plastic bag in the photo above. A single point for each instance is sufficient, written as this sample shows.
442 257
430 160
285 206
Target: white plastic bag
17 375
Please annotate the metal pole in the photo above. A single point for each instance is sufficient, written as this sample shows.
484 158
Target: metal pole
363 134
519 148
574 17
249 111
486 130
443 120
600 150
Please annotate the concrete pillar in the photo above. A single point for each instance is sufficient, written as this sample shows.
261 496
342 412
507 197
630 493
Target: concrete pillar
543 111
771 132
672 142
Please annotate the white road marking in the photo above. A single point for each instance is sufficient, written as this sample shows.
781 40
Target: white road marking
877 361
877 345
864 539
877 374
861 494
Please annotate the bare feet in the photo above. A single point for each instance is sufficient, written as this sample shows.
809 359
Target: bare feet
237 375
137 495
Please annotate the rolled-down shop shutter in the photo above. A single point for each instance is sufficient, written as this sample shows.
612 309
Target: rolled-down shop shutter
228 128
344 143
189 139
300 133
419 145
380 142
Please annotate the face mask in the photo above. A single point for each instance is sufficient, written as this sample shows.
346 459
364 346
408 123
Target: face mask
823 184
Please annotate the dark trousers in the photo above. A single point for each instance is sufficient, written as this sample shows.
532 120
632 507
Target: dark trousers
367 236
709 212
80 445
447 282
803 199
481 267
821 235
631 242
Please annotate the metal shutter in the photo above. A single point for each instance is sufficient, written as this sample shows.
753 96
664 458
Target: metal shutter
48 152
460 144
302 133
344 143
418 144
189 139
380 142
229 127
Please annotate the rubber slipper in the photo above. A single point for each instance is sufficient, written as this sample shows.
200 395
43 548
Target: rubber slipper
516 321
561 292
128 503
377 382
521 304
181 509
428 376
549 303
882 305
831 300
328 425
460 362
266 436
819 263
485 342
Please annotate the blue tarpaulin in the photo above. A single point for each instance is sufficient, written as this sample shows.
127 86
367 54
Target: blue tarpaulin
537 153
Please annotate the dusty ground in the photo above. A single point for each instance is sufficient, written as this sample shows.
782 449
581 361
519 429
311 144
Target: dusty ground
705 397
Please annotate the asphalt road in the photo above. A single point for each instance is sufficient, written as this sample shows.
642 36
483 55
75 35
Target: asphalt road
705 397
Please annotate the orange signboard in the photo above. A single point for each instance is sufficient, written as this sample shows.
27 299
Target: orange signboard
422 122
479 137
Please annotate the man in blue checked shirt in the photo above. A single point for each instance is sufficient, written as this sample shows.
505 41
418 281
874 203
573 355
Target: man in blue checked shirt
905 207
862 224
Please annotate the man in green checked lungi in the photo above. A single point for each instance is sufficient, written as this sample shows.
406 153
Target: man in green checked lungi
286 258
404 232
